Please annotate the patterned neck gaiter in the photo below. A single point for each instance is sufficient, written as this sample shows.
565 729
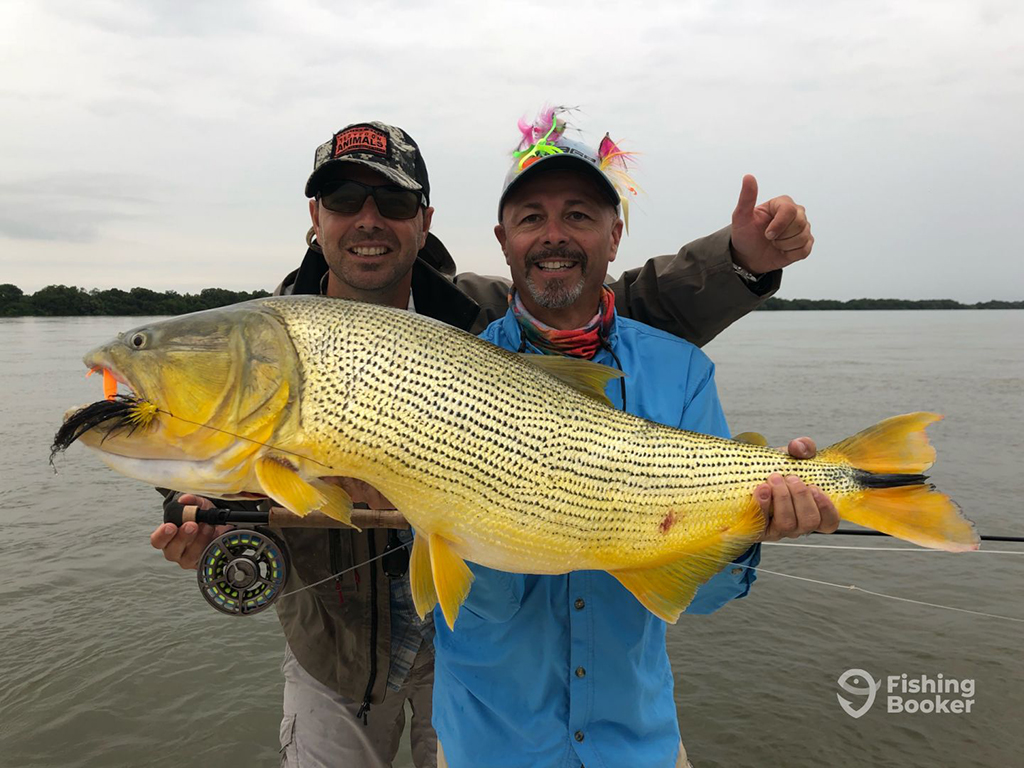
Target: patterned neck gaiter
580 342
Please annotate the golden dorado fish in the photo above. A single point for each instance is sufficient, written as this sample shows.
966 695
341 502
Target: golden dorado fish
516 462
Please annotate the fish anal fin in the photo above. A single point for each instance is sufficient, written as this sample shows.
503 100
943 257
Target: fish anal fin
281 481
751 438
666 589
337 503
585 376
421 578
452 577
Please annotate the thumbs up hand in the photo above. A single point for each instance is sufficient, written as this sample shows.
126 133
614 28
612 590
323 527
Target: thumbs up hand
768 236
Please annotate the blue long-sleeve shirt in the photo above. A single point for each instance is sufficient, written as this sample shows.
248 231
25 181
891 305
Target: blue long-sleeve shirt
570 670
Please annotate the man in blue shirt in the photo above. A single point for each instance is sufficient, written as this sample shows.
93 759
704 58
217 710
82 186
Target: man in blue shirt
570 670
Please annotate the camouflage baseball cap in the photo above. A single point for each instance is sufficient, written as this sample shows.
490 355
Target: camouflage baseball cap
384 148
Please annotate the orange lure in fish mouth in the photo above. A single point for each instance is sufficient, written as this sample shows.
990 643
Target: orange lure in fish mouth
109 382
112 415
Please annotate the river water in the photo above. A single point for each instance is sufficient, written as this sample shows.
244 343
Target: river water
110 657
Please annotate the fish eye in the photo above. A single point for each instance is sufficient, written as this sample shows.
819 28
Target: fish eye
139 340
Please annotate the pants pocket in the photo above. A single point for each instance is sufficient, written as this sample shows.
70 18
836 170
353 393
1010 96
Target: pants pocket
289 755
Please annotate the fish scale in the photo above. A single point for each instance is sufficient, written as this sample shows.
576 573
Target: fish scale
565 483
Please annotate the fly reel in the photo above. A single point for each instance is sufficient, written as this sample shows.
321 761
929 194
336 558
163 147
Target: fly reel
243 571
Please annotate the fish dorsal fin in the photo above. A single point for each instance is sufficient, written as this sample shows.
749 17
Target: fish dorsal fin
421 579
582 375
667 589
753 438
452 578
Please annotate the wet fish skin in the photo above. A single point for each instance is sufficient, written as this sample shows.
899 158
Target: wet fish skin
492 456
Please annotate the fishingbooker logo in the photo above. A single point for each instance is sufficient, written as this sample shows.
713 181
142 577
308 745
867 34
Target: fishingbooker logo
924 694
849 682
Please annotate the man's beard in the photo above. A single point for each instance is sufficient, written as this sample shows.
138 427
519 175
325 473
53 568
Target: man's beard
555 294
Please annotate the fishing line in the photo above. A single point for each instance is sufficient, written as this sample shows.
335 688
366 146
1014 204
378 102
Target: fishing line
855 588
342 573
892 549
242 437
848 587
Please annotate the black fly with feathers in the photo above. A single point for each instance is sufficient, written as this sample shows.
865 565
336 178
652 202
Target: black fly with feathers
115 413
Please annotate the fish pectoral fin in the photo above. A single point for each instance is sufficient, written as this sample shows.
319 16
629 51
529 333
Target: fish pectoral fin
665 590
337 503
452 577
281 482
752 438
421 578
582 375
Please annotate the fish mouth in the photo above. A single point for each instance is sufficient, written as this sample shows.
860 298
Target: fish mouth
111 377
115 414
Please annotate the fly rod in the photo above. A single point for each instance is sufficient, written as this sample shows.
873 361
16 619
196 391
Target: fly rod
278 517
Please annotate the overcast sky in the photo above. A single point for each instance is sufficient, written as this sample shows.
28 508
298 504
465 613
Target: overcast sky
165 143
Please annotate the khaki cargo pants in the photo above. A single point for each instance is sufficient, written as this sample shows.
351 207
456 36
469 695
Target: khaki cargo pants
320 729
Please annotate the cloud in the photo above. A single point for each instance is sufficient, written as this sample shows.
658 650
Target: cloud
62 207
204 118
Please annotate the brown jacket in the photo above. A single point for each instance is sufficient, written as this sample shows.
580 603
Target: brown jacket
693 293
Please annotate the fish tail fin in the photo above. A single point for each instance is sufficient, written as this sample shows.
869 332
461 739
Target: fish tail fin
665 590
915 513
895 445
888 460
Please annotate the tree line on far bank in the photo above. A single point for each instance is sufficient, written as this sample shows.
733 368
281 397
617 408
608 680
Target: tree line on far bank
62 300
774 304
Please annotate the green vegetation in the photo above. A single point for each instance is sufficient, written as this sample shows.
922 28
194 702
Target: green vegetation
58 300
774 304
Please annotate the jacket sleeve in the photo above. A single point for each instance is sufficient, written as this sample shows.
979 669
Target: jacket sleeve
703 413
490 292
694 293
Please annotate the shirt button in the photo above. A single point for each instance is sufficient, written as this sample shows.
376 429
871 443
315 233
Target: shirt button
579 603
581 672
578 736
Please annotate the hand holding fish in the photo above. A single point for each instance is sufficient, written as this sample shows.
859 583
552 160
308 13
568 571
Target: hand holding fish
793 508
769 236
185 545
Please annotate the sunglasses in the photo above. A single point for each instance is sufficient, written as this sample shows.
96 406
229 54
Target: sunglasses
393 202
